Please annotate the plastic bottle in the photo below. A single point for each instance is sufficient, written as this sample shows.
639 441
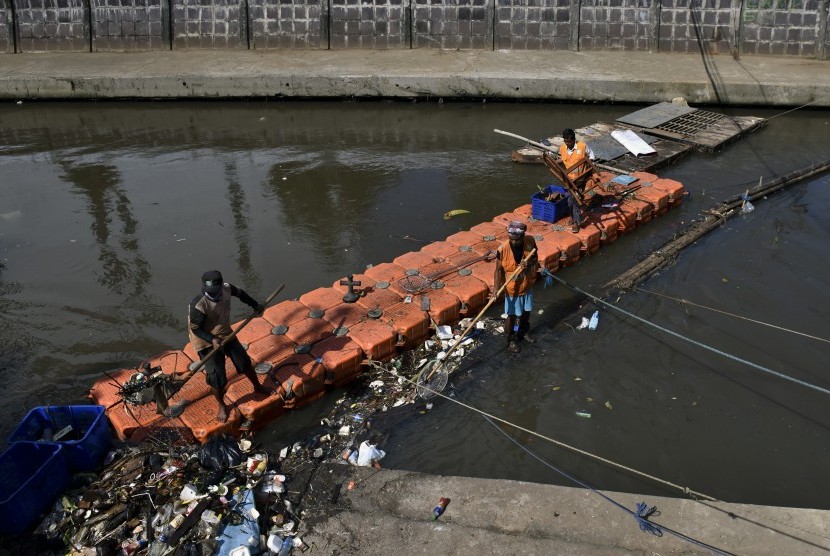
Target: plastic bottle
439 509
592 324
287 546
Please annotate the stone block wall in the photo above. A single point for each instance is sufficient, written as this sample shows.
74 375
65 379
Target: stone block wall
370 24
780 27
6 29
726 27
697 25
614 25
51 25
130 25
533 24
450 24
288 23
209 23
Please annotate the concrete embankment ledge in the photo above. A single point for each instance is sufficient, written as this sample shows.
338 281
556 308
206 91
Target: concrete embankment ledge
596 76
389 512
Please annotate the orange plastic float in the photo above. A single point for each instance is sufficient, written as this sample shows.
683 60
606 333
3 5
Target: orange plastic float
302 346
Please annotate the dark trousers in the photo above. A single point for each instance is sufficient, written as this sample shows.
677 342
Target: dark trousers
576 212
215 366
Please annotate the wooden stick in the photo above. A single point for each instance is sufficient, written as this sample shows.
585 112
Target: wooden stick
195 368
556 152
481 313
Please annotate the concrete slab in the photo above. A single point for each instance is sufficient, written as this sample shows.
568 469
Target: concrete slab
389 512
597 76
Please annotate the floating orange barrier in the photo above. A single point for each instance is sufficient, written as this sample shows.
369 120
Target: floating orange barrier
255 330
171 361
674 188
444 307
274 349
470 291
299 377
388 275
309 330
414 259
375 338
252 405
410 323
321 299
440 249
465 238
285 312
301 346
657 197
380 298
484 271
200 417
349 314
608 224
340 357
548 253
589 235
568 243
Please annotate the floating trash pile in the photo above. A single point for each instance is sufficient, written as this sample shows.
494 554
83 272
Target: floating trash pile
231 497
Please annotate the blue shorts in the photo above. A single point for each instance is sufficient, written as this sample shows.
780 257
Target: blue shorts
518 304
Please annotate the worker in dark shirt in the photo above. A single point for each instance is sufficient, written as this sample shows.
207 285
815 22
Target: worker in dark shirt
209 324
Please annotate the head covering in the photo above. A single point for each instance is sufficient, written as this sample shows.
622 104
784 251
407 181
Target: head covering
516 229
212 283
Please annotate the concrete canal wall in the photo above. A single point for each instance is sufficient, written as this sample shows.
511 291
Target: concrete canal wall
746 27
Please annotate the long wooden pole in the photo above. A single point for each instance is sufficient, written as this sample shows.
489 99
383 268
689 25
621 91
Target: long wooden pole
194 368
493 299
556 152
714 218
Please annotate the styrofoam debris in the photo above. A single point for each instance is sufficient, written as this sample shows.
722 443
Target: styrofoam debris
441 355
399 401
376 384
480 325
444 332
345 430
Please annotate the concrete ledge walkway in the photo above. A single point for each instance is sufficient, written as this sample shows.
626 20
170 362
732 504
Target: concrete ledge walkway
389 512
571 76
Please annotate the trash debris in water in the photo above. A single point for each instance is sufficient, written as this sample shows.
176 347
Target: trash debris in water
449 214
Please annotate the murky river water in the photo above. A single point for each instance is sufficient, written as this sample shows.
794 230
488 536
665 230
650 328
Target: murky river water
110 212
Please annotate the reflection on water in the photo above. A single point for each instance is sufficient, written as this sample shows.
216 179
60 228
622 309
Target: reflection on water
111 212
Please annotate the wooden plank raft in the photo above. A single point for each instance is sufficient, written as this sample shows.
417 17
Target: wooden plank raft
673 130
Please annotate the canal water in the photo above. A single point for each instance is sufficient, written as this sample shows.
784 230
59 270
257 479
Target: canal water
110 213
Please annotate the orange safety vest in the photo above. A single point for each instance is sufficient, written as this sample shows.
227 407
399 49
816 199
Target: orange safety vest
525 280
580 150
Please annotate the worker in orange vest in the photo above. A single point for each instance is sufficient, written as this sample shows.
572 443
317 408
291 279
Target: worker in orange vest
570 151
518 297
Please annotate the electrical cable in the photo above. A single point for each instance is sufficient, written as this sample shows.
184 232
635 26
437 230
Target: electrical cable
761 368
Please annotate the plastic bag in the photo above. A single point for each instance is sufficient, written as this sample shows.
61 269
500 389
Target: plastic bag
220 452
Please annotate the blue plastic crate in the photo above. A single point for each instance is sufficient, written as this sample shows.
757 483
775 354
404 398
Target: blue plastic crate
84 447
32 475
547 211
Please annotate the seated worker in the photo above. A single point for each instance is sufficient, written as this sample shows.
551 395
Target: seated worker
209 324
570 151
518 298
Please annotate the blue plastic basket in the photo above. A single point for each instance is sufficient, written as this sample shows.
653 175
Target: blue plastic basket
547 211
84 447
32 475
